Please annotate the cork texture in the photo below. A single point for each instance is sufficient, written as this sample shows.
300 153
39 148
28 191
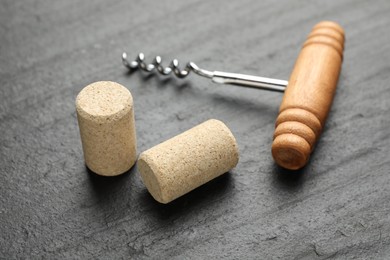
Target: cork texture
106 120
188 160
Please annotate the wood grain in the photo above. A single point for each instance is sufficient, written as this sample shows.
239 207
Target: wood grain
51 207
308 96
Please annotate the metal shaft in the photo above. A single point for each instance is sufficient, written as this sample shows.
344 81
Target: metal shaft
249 81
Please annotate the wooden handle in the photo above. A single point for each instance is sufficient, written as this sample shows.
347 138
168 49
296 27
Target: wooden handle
308 96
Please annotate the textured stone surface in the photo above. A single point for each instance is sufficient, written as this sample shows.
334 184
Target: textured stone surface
52 207
188 160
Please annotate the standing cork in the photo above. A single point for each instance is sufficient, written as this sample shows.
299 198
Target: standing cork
106 121
189 160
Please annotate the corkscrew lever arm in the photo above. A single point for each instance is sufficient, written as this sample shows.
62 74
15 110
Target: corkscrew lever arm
242 79
216 76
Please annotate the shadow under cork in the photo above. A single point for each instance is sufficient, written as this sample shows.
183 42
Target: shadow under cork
208 194
109 190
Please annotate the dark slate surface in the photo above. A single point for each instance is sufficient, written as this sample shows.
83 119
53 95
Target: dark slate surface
52 207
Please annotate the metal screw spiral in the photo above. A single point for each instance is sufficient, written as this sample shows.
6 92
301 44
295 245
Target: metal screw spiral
156 65
216 76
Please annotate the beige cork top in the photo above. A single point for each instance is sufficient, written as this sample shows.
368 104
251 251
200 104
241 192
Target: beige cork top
104 101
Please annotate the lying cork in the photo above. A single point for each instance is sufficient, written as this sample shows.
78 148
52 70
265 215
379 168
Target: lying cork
106 121
189 160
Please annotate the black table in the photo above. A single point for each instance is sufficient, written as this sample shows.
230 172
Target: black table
52 207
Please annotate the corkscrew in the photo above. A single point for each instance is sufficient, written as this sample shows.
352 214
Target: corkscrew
216 76
308 94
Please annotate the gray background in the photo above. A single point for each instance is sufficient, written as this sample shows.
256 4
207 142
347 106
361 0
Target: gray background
52 207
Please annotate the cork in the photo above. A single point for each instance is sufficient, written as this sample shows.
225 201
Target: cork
106 120
188 160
